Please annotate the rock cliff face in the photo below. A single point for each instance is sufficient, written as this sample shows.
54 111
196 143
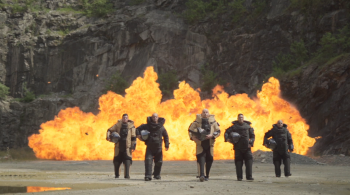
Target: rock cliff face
322 96
61 53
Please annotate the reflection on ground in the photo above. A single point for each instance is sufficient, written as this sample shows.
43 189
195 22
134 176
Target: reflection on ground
24 189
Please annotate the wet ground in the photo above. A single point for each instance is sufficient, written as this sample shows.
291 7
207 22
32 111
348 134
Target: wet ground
178 177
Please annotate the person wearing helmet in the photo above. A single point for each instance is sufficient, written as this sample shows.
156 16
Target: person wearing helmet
152 134
203 131
242 146
125 144
284 145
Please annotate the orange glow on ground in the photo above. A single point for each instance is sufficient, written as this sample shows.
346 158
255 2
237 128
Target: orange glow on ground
43 189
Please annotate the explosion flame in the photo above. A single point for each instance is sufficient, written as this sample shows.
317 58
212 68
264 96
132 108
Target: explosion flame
75 135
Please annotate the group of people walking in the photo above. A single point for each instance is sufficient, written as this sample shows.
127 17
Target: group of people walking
203 131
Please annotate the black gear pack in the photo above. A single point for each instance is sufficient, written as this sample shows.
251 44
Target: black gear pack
155 136
280 136
206 126
123 135
124 131
243 131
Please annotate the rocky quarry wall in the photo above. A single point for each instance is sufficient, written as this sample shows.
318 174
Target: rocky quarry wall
65 58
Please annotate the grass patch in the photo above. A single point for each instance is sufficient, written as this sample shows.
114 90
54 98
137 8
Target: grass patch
4 91
28 95
70 10
335 59
28 5
97 8
63 32
17 8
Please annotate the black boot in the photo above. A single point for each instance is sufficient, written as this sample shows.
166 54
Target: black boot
207 169
157 169
201 168
249 169
239 171
286 163
127 164
198 170
277 168
148 168
116 167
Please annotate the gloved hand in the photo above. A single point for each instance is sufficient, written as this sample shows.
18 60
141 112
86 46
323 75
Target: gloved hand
291 148
251 143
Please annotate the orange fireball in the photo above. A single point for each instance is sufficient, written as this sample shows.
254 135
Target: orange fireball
75 135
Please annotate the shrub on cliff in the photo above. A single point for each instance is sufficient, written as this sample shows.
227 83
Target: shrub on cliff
197 10
298 56
28 97
317 7
209 79
331 46
117 84
4 91
168 82
98 8
335 44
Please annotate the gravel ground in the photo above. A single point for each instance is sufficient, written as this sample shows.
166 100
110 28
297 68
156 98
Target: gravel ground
266 157
178 177
338 160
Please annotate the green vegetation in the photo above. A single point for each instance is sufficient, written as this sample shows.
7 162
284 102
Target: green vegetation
97 8
16 8
63 32
70 9
117 84
28 95
4 91
238 10
297 56
258 9
22 6
210 79
168 82
333 46
197 10
314 8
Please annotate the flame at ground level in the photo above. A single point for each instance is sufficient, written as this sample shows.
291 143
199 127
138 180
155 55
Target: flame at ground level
75 135
43 189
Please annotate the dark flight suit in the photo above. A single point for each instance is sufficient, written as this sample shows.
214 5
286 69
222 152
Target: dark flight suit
243 148
154 149
284 143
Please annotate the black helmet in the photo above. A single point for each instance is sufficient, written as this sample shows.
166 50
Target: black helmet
271 143
114 137
234 137
202 134
144 135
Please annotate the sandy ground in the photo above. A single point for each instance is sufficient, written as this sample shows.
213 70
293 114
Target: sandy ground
178 177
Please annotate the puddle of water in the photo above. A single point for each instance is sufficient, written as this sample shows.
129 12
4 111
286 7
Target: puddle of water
24 189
